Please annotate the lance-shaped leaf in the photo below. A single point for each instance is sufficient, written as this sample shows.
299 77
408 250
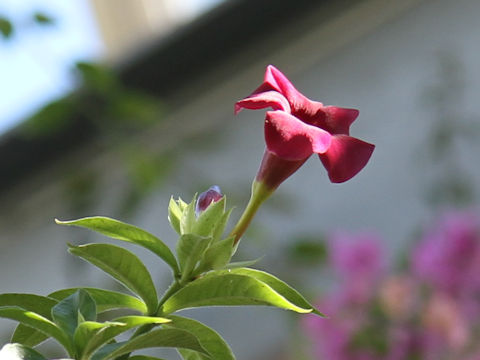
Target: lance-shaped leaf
123 266
242 264
20 352
227 289
208 338
122 231
38 322
220 226
143 357
216 256
174 215
39 304
67 312
85 331
174 338
276 284
187 221
103 352
207 221
91 336
190 249
106 299
28 336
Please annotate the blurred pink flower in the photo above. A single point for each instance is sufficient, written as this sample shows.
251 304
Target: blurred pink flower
442 316
429 311
359 260
448 257
299 127
332 336
398 296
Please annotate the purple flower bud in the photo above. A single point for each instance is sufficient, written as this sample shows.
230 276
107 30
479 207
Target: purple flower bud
213 194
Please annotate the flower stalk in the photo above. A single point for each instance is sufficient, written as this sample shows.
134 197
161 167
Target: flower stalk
260 193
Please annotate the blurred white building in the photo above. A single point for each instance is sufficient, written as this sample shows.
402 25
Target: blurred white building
128 25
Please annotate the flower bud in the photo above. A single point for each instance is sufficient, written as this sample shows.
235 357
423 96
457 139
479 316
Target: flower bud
213 194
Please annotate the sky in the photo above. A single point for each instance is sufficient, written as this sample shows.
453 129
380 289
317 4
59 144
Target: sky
36 63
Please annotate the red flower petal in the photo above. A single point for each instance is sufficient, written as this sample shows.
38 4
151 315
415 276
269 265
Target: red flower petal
262 100
345 157
276 79
291 139
339 119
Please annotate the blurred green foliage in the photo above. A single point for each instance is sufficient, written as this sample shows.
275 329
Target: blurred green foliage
43 19
451 129
6 27
308 250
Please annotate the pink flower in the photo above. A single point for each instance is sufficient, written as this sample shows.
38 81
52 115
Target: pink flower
213 194
299 127
448 256
359 260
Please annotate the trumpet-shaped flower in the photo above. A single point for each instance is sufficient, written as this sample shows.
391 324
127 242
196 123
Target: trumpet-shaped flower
299 127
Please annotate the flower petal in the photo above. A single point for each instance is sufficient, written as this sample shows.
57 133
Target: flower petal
345 157
276 79
262 100
291 139
339 119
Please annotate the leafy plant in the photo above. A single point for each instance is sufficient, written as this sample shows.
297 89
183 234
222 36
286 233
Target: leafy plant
203 273
202 277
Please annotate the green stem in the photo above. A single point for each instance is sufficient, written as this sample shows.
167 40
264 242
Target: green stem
174 287
259 194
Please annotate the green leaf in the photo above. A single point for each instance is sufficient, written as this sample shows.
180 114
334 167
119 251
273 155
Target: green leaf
28 336
123 266
227 289
206 223
143 357
40 304
38 322
31 302
93 336
51 119
102 353
19 352
221 224
126 232
242 264
175 338
182 204
192 355
217 256
6 27
208 338
190 249
85 331
174 215
106 299
187 221
42 19
76 308
276 284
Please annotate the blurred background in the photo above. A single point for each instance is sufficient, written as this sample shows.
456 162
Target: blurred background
110 107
